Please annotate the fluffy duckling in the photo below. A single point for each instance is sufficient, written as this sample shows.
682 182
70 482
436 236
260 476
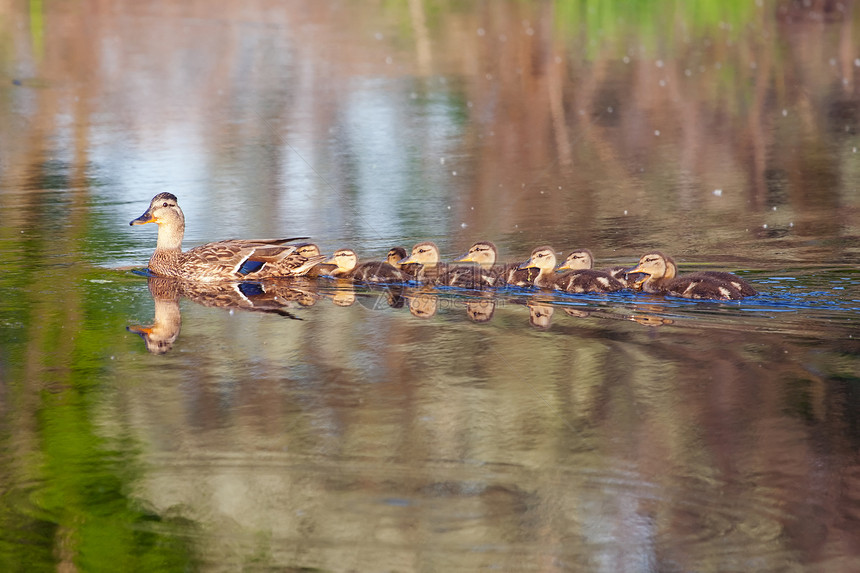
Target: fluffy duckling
432 270
397 254
699 286
484 253
230 260
743 287
578 281
347 267
581 278
582 259
312 251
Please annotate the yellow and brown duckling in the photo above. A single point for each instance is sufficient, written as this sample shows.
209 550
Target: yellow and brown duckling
743 287
347 267
660 279
582 259
426 255
575 281
494 274
312 251
397 254
230 260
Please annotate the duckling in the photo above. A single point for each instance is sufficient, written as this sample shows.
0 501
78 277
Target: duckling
491 273
699 286
230 260
741 285
432 270
577 281
311 250
347 267
582 259
582 278
397 254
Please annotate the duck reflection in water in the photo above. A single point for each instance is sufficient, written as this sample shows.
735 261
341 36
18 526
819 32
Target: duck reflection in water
270 297
481 310
540 314
423 305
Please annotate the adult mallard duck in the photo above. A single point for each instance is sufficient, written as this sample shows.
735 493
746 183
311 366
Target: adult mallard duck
347 267
660 279
230 260
484 253
583 260
743 287
576 281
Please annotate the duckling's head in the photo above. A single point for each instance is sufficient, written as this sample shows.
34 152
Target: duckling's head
542 258
345 259
655 265
395 255
578 260
307 250
163 210
425 253
482 252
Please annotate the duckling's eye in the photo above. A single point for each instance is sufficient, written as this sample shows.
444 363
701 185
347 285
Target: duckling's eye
164 205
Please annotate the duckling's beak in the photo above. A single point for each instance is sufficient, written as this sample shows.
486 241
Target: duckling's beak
467 258
330 261
527 265
406 261
144 219
562 267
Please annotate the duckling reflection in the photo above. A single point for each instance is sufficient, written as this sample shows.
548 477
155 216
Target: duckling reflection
160 336
423 305
481 309
540 314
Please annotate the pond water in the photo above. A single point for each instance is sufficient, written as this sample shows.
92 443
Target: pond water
317 425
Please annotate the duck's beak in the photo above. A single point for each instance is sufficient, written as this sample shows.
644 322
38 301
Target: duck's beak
144 219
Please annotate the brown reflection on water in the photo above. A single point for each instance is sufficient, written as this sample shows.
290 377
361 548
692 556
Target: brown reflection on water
362 436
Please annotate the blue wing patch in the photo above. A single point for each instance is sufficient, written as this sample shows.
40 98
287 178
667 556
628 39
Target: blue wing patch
251 289
250 267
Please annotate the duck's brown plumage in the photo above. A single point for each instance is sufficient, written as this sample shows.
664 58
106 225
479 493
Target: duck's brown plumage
230 260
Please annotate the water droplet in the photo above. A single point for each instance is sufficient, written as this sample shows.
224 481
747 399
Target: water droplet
784 112
442 160
657 132
764 226
463 225
481 31
659 63
454 173
625 211
718 192
378 35
388 59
